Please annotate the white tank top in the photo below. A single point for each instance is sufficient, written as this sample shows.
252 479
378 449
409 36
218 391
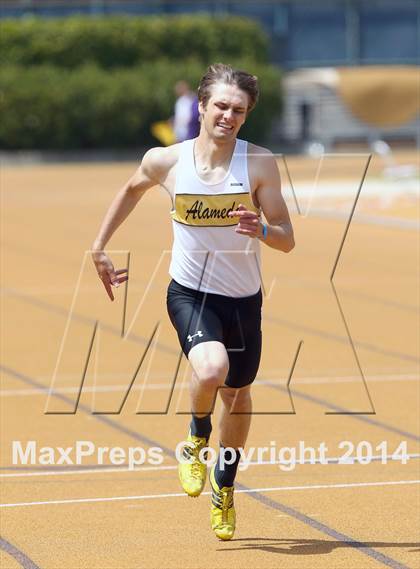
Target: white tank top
207 253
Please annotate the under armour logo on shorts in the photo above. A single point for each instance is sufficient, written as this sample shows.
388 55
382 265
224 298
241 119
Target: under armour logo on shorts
199 334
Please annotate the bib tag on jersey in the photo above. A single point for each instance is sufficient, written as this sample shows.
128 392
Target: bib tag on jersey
210 210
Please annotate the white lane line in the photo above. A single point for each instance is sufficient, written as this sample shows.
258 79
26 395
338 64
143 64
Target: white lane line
366 219
105 470
357 378
87 471
182 494
158 386
87 389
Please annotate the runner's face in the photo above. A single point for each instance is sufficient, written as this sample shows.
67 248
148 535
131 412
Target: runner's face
225 112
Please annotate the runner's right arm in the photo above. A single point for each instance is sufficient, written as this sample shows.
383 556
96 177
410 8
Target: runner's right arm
150 172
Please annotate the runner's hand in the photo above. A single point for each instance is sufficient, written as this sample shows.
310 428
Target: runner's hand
106 272
249 222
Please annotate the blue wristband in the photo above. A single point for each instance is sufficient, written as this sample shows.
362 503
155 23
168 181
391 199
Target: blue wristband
265 231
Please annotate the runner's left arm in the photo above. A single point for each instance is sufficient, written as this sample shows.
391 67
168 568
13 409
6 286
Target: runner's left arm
279 231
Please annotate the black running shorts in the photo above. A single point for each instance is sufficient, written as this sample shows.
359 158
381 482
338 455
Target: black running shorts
236 322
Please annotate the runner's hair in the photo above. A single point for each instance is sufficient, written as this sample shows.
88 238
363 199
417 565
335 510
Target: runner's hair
221 73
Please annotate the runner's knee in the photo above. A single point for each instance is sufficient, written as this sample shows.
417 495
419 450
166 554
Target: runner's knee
211 375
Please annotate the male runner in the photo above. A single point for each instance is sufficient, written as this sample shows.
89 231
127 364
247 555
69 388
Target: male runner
219 185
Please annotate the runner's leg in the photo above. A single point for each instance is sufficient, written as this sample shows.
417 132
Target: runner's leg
210 364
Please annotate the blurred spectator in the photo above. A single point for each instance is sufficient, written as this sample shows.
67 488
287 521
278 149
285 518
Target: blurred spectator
194 124
186 124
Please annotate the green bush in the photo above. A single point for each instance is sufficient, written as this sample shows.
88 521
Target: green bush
126 41
101 82
47 107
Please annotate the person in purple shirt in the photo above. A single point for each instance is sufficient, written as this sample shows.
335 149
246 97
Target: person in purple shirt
186 123
193 129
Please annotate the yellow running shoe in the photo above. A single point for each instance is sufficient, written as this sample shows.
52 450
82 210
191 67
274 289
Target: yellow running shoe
222 515
193 475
